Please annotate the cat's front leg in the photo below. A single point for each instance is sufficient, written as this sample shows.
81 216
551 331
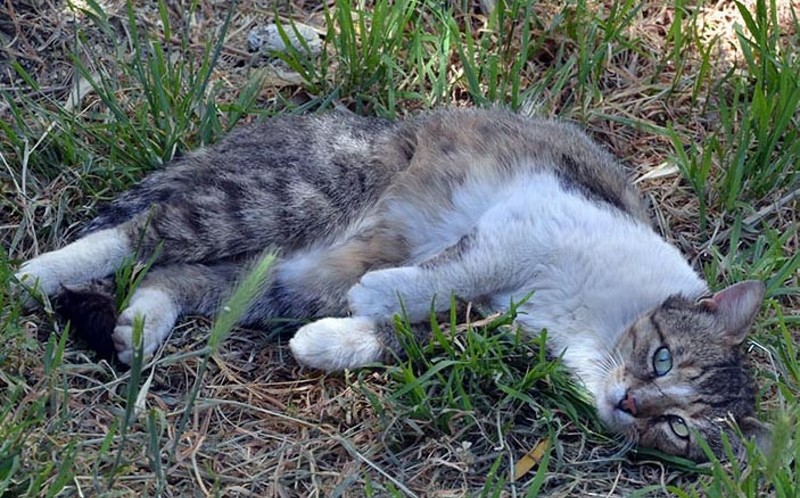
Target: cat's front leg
410 290
477 266
334 344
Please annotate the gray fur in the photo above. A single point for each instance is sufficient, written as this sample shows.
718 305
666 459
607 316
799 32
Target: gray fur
301 182
332 195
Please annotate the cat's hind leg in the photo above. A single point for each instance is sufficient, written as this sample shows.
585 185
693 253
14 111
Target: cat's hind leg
157 310
94 256
165 294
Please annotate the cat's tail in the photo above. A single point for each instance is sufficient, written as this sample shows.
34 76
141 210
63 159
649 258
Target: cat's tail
92 313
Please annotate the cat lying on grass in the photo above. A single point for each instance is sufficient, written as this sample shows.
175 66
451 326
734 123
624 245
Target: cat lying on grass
367 214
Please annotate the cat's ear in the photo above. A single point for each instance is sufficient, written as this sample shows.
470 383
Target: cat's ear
757 431
737 307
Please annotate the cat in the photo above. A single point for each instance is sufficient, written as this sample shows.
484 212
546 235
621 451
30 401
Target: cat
373 217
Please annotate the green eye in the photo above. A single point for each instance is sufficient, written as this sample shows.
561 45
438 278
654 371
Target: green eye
662 361
678 426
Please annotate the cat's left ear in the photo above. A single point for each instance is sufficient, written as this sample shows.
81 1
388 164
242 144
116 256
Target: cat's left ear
737 307
756 430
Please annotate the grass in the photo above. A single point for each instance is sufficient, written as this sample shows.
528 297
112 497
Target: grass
704 110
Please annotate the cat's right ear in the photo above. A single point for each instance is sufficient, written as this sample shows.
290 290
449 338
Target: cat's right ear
737 307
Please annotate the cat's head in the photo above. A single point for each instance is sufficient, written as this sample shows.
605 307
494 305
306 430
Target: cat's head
679 372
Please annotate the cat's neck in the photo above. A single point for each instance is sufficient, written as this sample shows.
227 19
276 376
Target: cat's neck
604 277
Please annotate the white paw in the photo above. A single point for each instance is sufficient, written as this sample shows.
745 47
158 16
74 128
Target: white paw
383 293
333 344
41 274
93 256
158 312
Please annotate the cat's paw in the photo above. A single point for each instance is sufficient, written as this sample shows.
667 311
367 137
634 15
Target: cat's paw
333 344
95 256
39 275
158 312
382 293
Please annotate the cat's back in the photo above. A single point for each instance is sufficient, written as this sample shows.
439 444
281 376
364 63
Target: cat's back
499 142
300 167
312 175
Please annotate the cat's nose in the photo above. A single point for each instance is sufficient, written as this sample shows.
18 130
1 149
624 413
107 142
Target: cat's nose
628 404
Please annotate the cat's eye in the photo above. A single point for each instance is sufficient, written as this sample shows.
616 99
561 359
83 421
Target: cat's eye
662 361
678 426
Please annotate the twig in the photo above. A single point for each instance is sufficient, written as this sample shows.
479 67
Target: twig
349 447
754 218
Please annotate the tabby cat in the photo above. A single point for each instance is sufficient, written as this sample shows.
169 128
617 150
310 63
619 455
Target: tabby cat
370 216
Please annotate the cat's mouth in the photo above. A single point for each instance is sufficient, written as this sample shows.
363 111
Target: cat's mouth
616 408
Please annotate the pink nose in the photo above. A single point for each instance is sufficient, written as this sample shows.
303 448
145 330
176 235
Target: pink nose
628 404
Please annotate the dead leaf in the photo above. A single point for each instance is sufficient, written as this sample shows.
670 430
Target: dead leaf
531 459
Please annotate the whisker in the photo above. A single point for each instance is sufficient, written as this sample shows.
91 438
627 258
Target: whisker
625 442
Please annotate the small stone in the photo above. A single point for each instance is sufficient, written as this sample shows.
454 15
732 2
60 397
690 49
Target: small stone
487 6
268 39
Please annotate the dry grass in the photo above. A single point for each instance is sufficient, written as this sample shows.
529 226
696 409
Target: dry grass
261 426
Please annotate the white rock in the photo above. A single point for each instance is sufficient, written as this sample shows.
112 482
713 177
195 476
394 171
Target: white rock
268 38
